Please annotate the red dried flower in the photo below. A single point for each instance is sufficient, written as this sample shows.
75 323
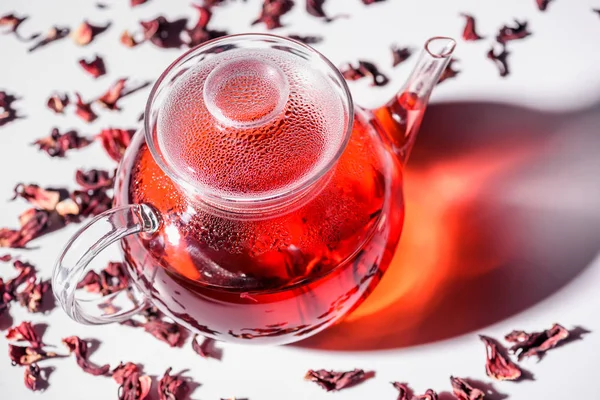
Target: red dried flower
84 110
498 365
32 377
91 202
6 258
464 391
79 347
369 2
55 33
400 54
430 394
115 141
91 282
364 68
128 40
21 355
133 384
57 103
508 33
7 112
404 392
46 199
94 179
167 332
135 3
449 72
542 4
272 11
164 33
315 8
333 381
469 32
33 293
500 59
306 39
85 33
112 95
57 144
536 343
95 67
171 387
12 22
199 33
206 349
24 332
34 223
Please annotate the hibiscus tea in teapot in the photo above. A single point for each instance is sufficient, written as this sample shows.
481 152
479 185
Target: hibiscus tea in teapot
258 204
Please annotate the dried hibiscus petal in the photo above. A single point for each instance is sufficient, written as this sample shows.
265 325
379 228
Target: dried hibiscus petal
199 33
333 380
91 202
272 11
24 332
95 67
79 347
133 384
84 110
449 72
430 394
508 33
91 282
469 32
21 355
57 103
171 387
167 332
115 141
85 33
404 392
164 33
501 60
112 95
94 179
463 391
34 223
55 33
6 258
206 349
128 40
542 4
12 22
400 54
57 144
46 199
315 8
364 68
32 377
7 112
137 2
536 343
308 39
369 2
498 365
32 295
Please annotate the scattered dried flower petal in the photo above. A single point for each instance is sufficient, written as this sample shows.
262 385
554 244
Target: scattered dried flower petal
315 8
469 32
85 33
536 343
6 258
94 179
46 199
206 349
464 391
112 95
79 347
199 33
133 384
404 392
21 355
32 377
500 59
55 33
400 54
498 365
33 293
34 223
95 67
84 110
91 202
24 332
57 144
364 68
12 22
449 72
7 112
57 103
333 380
135 3
164 33
306 39
171 387
430 394
272 11
115 141
128 40
542 4
508 33
167 332
369 2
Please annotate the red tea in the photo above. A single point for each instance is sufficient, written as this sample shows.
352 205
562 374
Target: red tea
286 274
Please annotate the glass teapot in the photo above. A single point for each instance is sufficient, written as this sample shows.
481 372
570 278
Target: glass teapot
257 204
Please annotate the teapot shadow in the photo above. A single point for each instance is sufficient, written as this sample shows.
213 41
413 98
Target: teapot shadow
502 212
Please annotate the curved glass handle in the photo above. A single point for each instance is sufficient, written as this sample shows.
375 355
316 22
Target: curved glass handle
73 262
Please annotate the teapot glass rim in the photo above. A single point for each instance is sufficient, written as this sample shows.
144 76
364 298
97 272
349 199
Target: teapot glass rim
249 205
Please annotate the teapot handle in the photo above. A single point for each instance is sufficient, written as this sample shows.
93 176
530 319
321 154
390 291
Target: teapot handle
73 262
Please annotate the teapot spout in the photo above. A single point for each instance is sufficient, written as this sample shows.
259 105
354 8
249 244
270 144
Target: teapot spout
400 118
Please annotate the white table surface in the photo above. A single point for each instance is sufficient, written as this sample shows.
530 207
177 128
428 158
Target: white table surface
503 195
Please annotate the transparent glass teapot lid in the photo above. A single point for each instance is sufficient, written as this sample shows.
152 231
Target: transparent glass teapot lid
248 118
